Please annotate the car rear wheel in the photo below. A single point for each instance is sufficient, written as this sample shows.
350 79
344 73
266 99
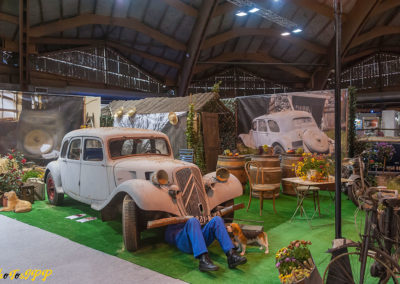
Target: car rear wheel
130 224
53 196
278 149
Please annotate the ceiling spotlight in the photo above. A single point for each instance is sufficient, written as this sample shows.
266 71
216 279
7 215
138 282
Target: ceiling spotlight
285 34
241 14
297 30
253 10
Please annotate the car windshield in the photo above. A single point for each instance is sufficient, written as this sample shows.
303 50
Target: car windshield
303 122
138 146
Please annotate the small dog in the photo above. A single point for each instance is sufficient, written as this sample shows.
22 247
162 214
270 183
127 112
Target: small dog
15 204
242 239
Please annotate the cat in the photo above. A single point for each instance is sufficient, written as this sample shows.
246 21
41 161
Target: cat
15 204
241 238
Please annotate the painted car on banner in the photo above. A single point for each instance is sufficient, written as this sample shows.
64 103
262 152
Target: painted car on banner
133 171
287 130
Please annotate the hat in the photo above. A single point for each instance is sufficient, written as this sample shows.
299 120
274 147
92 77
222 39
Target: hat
173 118
131 112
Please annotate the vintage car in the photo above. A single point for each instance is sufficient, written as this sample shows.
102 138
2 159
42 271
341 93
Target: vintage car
287 130
133 171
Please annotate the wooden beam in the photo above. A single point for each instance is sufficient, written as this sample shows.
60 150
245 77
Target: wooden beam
115 44
267 32
195 42
362 9
257 57
385 6
224 8
9 18
316 7
374 33
91 19
185 8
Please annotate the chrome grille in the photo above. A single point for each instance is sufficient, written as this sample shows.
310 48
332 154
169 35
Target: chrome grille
193 195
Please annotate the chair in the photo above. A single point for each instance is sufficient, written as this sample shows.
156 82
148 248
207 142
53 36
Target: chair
186 155
258 184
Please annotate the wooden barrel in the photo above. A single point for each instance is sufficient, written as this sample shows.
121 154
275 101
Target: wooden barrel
267 160
287 172
235 165
272 176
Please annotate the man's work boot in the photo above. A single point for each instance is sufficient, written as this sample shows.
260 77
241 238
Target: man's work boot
234 259
206 263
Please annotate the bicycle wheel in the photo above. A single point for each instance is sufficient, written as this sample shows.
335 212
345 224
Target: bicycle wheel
345 269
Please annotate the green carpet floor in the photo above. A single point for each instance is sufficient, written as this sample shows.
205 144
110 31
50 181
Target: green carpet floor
159 256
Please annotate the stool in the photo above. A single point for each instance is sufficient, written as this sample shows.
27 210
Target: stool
301 193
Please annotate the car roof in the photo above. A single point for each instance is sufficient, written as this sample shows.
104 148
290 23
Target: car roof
287 114
114 132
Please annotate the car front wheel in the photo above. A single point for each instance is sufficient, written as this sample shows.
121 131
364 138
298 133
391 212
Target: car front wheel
53 196
278 149
130 224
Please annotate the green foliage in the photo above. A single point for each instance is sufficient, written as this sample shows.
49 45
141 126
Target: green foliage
106 121
351 131
215 88
11 171
195 139
31 174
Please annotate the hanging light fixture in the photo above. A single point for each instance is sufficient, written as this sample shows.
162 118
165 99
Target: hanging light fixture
241 14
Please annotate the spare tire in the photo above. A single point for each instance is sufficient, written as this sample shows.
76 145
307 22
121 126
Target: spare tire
316 141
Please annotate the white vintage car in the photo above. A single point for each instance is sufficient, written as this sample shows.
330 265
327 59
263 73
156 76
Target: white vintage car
287 130
134 171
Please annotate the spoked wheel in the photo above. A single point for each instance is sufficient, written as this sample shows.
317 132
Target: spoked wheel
278 149
346 269
356 190
53 196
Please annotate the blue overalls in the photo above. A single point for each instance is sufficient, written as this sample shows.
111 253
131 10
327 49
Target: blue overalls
192 238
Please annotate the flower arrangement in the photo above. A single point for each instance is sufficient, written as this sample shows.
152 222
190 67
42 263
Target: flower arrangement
294 262
11 172
313 167
227 152
385 152
265 150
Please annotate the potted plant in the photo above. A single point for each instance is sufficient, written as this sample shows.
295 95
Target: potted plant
11 173
313 167
295 263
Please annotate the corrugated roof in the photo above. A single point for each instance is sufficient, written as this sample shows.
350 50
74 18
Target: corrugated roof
162 105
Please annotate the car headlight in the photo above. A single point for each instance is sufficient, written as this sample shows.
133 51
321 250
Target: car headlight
160 178
222 174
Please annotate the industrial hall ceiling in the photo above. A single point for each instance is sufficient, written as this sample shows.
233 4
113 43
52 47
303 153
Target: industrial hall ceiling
177 41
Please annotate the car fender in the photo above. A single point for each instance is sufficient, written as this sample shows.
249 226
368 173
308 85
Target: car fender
54 168
146 195
248 139
220 192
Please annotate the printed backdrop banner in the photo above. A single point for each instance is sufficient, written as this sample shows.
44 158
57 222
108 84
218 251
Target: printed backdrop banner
35 124
289 121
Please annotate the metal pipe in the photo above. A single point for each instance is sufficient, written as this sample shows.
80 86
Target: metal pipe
261 63
338 126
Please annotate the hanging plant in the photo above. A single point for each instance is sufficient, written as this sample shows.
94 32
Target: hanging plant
194 138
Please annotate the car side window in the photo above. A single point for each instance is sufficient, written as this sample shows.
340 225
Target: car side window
93 150
74 152
262 126
254 126
273 126
64 149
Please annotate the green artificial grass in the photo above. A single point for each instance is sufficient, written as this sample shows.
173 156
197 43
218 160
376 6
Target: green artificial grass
155 254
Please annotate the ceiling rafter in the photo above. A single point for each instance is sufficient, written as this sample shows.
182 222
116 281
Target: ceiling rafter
257 57
115 44
385 6
9 18
357 17
91 19
370 51
194 45
241 31
374 33
185 8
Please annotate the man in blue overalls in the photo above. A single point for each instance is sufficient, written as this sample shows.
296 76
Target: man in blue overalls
192 238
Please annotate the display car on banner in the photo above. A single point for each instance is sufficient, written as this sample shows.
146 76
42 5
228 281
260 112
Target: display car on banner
134 171
287 130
